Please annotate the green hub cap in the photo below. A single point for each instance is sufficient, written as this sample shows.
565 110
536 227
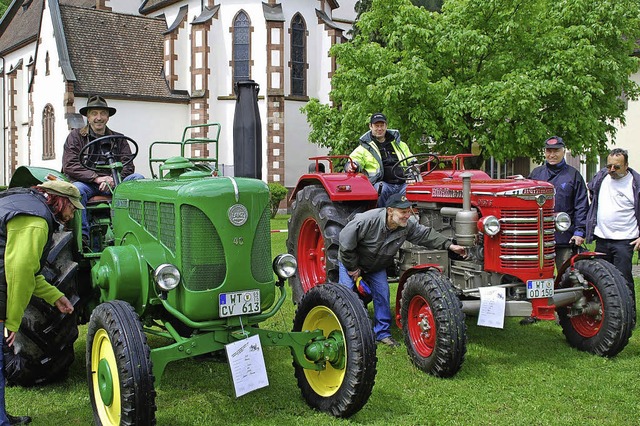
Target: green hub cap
105 382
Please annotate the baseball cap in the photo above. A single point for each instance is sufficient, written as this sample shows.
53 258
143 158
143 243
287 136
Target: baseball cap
377 117
399 201
64 189
554 142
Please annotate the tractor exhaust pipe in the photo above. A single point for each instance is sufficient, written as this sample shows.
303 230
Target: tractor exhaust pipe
466 219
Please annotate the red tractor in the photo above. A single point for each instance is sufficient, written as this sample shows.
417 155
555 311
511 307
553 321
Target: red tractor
507 226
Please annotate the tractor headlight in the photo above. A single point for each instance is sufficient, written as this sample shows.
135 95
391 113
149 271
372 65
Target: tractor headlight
167 276
489 225
285 265
563 221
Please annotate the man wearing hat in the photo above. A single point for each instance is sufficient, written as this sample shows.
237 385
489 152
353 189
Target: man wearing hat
571 196
28 219
380 148
368 245
91 183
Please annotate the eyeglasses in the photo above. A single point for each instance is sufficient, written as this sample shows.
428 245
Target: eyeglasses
615 166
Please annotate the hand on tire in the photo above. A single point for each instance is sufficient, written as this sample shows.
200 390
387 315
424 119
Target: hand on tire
64 305
11 336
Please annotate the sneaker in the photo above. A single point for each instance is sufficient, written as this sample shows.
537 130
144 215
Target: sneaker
389 341
18 420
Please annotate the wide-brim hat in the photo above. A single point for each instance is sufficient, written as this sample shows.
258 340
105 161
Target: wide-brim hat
63 189
97 102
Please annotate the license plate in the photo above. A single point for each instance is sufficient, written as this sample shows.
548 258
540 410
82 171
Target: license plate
539 288
239 303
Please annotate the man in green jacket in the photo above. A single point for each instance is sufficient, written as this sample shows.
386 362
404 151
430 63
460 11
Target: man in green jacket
380 148
28 219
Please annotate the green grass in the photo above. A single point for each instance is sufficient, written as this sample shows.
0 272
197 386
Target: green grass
514 376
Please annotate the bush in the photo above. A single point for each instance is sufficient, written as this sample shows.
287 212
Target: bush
277 194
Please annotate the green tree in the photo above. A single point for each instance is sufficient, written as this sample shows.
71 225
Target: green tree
502 74
3 6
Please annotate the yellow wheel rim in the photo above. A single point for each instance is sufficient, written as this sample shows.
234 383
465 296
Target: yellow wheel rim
104 379
325 382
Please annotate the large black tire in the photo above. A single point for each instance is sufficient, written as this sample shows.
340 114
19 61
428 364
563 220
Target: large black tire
605 328
341 391
313 230
43 348
433 324
119 369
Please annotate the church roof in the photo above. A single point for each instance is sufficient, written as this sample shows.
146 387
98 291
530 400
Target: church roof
20 25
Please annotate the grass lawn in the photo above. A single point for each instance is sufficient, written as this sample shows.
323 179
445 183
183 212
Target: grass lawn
519 375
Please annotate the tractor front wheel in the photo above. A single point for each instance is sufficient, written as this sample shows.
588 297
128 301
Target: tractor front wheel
344 386
601 321
119 368
433 324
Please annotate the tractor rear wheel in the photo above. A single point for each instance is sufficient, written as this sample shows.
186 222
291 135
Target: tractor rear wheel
602 322
119 369
433 324
344 386
43 348
314 227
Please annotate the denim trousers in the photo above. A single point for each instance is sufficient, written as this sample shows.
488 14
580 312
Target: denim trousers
386 190
377 282
3 411
88 190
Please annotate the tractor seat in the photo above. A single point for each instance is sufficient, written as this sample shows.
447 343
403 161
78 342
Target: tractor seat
97 199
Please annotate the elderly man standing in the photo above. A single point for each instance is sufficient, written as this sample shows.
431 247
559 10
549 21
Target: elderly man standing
91 183
571 195
28 219
613 220
380 148
368 245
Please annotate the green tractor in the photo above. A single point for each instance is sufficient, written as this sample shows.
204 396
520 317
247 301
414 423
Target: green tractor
185 255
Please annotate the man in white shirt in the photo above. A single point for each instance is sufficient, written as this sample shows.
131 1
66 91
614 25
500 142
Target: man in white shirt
613 220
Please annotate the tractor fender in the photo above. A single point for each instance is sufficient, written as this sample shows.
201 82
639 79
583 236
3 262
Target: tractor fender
403 279
339 186
571 261
121 274
27 176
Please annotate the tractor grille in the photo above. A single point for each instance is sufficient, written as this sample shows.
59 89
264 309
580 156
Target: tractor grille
151 217
527 239
203 260
261 250
168 226
135 210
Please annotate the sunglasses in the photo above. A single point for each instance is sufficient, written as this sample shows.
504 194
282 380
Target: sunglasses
615 166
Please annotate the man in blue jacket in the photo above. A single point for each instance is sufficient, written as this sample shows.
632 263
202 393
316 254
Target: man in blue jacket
571 196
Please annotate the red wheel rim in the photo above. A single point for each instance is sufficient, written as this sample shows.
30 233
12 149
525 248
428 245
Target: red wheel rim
588 324
421 326
311 255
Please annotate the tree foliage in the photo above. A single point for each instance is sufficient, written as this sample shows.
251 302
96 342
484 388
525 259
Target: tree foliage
501 75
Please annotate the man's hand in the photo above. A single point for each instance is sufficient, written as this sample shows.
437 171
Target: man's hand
64 305
576 240
104 183
458 250
11 336
354 274
636 244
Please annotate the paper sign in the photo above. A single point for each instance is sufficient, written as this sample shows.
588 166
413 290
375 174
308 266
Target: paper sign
492 303
246 362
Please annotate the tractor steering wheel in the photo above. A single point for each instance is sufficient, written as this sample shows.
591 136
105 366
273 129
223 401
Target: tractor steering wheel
411 168
102 153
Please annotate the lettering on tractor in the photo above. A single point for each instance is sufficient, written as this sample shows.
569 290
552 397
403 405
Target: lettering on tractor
507 227
185 255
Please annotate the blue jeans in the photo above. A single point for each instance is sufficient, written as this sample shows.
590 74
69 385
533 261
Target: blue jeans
3 411
88 190
386 190
379 286
620 254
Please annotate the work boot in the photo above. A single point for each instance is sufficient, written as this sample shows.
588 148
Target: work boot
18 420
389 341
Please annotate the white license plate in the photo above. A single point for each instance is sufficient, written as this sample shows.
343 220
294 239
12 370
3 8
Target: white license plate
539 288
239 303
